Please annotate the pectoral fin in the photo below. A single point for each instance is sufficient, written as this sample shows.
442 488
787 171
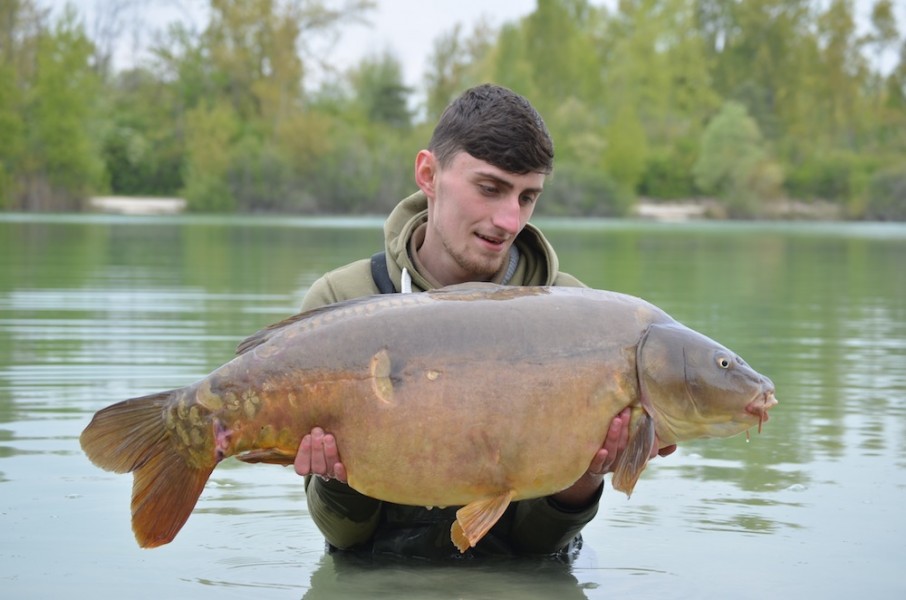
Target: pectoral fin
634 458
475 519
272 456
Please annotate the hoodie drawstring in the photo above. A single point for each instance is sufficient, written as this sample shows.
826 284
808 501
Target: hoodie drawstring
405 282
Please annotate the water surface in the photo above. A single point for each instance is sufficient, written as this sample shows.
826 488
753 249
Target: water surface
98 309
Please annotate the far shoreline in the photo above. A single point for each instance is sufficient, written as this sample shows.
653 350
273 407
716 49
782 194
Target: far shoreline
645 208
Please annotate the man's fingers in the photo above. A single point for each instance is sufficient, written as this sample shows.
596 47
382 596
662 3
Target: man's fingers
330 449
618 433
318 460
302 462
318 455
625 417
339 472
601 463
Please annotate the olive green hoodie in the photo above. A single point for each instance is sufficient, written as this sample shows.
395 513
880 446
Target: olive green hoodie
537 262
352 521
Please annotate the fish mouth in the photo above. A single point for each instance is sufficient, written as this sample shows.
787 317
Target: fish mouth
759 406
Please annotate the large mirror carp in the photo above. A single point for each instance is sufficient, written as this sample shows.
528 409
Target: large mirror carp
457 397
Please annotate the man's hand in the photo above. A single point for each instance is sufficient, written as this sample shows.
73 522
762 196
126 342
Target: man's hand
318 455
615 442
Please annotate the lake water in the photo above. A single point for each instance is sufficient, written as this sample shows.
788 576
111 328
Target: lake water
96 309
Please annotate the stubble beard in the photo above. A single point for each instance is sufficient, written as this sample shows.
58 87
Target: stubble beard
479 268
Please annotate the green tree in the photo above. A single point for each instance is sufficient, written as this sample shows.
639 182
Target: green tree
843 70
733 163
511 66
890 98
379 88
19 21
885 34
896 87
551 57
144 143
211 134
62 161
627 147
458 60
763 52
250 59
887 195
660 91
252 53
13 129
562 52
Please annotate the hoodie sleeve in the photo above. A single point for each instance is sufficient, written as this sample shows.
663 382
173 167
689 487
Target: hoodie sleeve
345 517
542 526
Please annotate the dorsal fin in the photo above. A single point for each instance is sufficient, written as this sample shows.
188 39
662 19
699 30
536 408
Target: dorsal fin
263 335
461 291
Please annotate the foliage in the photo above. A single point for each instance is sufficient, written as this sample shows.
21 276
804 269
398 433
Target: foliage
668 173
18 46
583 191
749 101
886 192
733 163
627 147
836 176
457 62
13 128
59 162
380 91
210 136
142 158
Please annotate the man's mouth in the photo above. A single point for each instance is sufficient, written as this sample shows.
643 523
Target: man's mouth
494 242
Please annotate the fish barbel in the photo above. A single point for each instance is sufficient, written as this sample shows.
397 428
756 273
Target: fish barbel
455 397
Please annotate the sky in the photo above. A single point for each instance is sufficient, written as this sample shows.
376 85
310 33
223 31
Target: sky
407 27
410 27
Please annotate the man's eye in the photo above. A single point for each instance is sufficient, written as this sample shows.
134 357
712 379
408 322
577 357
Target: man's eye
488 190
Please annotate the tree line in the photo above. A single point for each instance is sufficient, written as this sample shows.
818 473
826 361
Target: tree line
750 103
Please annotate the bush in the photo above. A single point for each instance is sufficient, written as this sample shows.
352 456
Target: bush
734 163
578 191
886 197
668 175
836 177
211 137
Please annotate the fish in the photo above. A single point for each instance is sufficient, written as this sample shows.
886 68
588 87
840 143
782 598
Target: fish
472 396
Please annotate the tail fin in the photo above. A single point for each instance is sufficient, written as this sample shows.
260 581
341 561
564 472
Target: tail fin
133 436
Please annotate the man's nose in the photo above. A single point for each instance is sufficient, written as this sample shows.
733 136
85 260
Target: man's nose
508 215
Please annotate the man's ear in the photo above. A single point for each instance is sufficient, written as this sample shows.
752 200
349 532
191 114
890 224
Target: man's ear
425 172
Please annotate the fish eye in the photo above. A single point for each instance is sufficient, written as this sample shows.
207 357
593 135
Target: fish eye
723 362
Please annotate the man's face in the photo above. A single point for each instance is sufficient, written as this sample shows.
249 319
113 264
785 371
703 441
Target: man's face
476 210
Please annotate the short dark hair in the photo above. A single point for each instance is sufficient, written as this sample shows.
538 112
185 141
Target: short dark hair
496 125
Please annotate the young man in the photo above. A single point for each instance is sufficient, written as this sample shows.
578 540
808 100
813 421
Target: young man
479 181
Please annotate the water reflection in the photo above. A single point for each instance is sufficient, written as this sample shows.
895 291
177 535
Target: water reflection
342 576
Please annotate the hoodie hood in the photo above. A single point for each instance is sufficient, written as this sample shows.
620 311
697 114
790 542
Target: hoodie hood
538 263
